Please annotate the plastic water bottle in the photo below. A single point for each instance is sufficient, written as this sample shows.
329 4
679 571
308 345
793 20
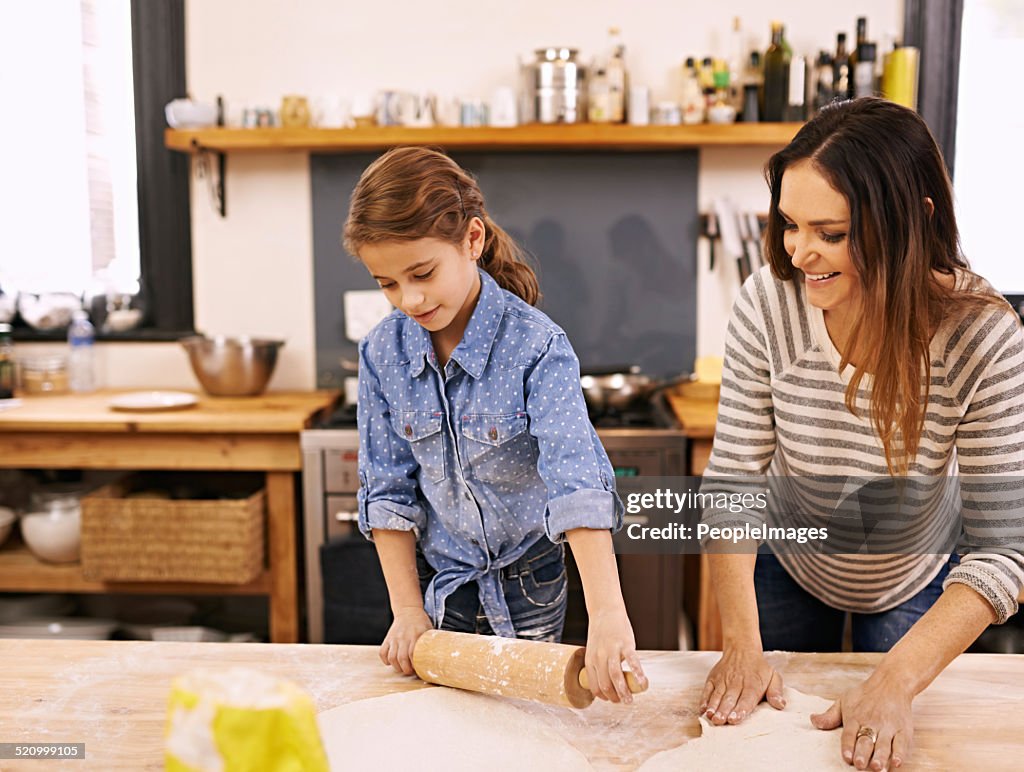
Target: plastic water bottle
81 361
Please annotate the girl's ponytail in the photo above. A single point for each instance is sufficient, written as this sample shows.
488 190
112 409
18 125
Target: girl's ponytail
411 193
507 264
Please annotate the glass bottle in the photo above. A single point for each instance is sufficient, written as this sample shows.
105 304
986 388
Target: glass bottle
862 38
693 103
776 76
841 81
823 91
7 374
618 82
599 97
864 71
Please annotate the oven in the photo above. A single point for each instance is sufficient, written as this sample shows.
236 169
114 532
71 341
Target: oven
346 601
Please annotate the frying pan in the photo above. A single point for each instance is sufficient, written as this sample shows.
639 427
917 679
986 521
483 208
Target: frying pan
620 388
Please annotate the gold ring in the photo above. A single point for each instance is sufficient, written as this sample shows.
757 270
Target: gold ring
867 731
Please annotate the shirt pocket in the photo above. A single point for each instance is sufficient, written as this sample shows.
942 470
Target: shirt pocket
498 448
422 430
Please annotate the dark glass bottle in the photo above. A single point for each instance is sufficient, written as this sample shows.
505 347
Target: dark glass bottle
776 75
842 83
823 91
6 362
862 38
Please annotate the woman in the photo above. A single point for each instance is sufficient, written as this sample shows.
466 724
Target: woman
866 350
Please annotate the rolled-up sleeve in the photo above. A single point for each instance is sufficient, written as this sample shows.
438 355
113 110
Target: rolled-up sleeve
572 462
388 497
990 455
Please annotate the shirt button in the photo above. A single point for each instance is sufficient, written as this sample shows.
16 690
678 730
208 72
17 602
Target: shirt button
474 542
493 433
408 430
468 496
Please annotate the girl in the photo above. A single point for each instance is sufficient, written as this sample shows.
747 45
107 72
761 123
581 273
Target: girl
868 349
475 444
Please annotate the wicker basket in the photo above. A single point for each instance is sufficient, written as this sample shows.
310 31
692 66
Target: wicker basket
150 537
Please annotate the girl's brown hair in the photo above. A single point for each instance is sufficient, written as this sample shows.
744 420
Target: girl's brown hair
411 193
883 159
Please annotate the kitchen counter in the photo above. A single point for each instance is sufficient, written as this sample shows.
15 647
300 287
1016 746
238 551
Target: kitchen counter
219 434
112 696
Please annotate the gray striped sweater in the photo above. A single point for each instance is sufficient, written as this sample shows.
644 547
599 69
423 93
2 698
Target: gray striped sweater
782 415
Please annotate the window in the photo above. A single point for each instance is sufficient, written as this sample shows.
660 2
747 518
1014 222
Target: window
100 206
989 154
76 227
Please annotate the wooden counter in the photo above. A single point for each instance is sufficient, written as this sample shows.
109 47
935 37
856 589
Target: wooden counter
221 433
112 696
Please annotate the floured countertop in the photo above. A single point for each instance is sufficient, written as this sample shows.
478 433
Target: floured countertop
112 696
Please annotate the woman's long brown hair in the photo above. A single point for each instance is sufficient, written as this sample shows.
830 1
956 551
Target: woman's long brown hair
411 193
883 159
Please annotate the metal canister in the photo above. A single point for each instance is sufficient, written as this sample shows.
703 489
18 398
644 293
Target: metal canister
556 83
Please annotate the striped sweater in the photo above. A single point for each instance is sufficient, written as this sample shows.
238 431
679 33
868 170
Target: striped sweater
782 415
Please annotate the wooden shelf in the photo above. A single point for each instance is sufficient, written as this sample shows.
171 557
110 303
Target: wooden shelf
21 571
580 136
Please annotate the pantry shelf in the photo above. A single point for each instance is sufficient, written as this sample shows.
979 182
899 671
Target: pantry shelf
580 136
21 571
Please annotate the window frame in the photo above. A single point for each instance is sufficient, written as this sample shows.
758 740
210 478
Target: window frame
165 227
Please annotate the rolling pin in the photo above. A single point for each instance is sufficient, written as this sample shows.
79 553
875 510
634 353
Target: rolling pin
553 673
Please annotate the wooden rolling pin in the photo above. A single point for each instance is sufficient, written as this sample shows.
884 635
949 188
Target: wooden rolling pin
528 670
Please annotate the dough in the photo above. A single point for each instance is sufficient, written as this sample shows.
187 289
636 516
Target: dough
769 739
442 729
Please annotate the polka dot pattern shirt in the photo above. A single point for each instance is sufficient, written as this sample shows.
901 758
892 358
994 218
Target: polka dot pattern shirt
485 458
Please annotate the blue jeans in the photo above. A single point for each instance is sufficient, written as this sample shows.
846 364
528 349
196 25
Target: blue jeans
536 591
791 619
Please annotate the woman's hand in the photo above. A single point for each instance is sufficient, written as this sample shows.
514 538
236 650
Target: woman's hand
409 625
878 729
737 683
610 641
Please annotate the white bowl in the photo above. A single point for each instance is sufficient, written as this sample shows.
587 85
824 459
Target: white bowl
54 536
65 628
7 518
186 114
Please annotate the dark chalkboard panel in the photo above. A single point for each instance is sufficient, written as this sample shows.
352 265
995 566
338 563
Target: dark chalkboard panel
614 237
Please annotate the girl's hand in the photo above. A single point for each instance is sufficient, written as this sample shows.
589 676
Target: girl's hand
610 641
737 683
878 729
409 625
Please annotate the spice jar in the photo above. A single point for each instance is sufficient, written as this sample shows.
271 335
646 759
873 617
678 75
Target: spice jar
45 374
295 112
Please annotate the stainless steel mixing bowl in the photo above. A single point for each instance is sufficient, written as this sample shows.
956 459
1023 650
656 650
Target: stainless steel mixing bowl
232 367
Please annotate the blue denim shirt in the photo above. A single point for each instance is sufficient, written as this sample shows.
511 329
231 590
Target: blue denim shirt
483 460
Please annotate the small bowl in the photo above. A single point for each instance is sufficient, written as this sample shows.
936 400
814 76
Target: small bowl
121 319
7 520
232 367
186 114
53 535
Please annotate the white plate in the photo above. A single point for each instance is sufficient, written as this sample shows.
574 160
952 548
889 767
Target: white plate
153 400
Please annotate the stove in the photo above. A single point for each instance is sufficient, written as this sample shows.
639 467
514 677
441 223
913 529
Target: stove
346 601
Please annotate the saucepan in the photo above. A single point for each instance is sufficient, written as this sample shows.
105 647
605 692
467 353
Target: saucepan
620 388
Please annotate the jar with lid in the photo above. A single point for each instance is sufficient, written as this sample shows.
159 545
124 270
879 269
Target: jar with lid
44 374
556 86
